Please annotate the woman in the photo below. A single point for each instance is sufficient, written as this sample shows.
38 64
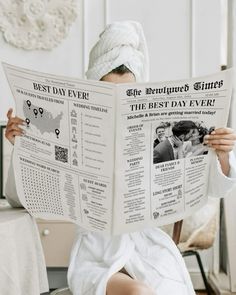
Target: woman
146 262
195 146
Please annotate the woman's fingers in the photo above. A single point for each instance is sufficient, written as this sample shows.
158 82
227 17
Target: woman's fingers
226 136
9 113
222 148
13 126
13 134
221 135
221 139
15 120
223 130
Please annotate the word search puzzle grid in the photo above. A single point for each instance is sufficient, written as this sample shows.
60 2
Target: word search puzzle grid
43 193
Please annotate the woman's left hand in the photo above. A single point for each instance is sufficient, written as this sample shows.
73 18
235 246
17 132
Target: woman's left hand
221 140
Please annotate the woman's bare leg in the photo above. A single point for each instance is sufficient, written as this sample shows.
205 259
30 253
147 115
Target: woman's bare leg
122 284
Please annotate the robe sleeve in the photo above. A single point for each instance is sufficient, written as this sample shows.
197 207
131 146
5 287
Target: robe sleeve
10 190
220 185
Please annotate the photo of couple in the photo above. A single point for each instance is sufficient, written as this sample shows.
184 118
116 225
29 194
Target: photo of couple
177 140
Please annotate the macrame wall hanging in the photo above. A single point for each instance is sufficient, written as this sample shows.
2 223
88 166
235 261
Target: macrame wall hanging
36 24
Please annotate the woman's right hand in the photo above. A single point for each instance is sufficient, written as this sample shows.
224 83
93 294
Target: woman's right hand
12 128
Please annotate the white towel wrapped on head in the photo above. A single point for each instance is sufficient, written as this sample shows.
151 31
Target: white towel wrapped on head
120 43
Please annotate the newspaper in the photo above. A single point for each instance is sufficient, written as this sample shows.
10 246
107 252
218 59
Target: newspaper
106 156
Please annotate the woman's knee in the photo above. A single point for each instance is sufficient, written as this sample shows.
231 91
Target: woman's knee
139 289
122 284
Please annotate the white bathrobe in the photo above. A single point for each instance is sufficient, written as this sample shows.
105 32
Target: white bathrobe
149 256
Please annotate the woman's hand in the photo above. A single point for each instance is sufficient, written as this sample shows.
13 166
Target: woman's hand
222 140
177 142
12 128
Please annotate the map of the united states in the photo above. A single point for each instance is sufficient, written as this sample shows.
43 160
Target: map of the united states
41 118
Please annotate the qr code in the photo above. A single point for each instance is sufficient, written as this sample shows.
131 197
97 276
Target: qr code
61 154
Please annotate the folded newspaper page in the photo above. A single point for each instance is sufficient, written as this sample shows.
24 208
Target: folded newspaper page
115 158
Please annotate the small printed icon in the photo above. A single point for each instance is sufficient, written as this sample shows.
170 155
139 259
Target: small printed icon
41 111
74 139
35 112
83 186
75 162
74 129
86 211
156 215
73 113
84 197
27 120
179 195
28 103
57 131
73 121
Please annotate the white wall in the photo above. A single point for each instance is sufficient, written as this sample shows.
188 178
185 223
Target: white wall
66 59
174 52
167 29
206 36
166 26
